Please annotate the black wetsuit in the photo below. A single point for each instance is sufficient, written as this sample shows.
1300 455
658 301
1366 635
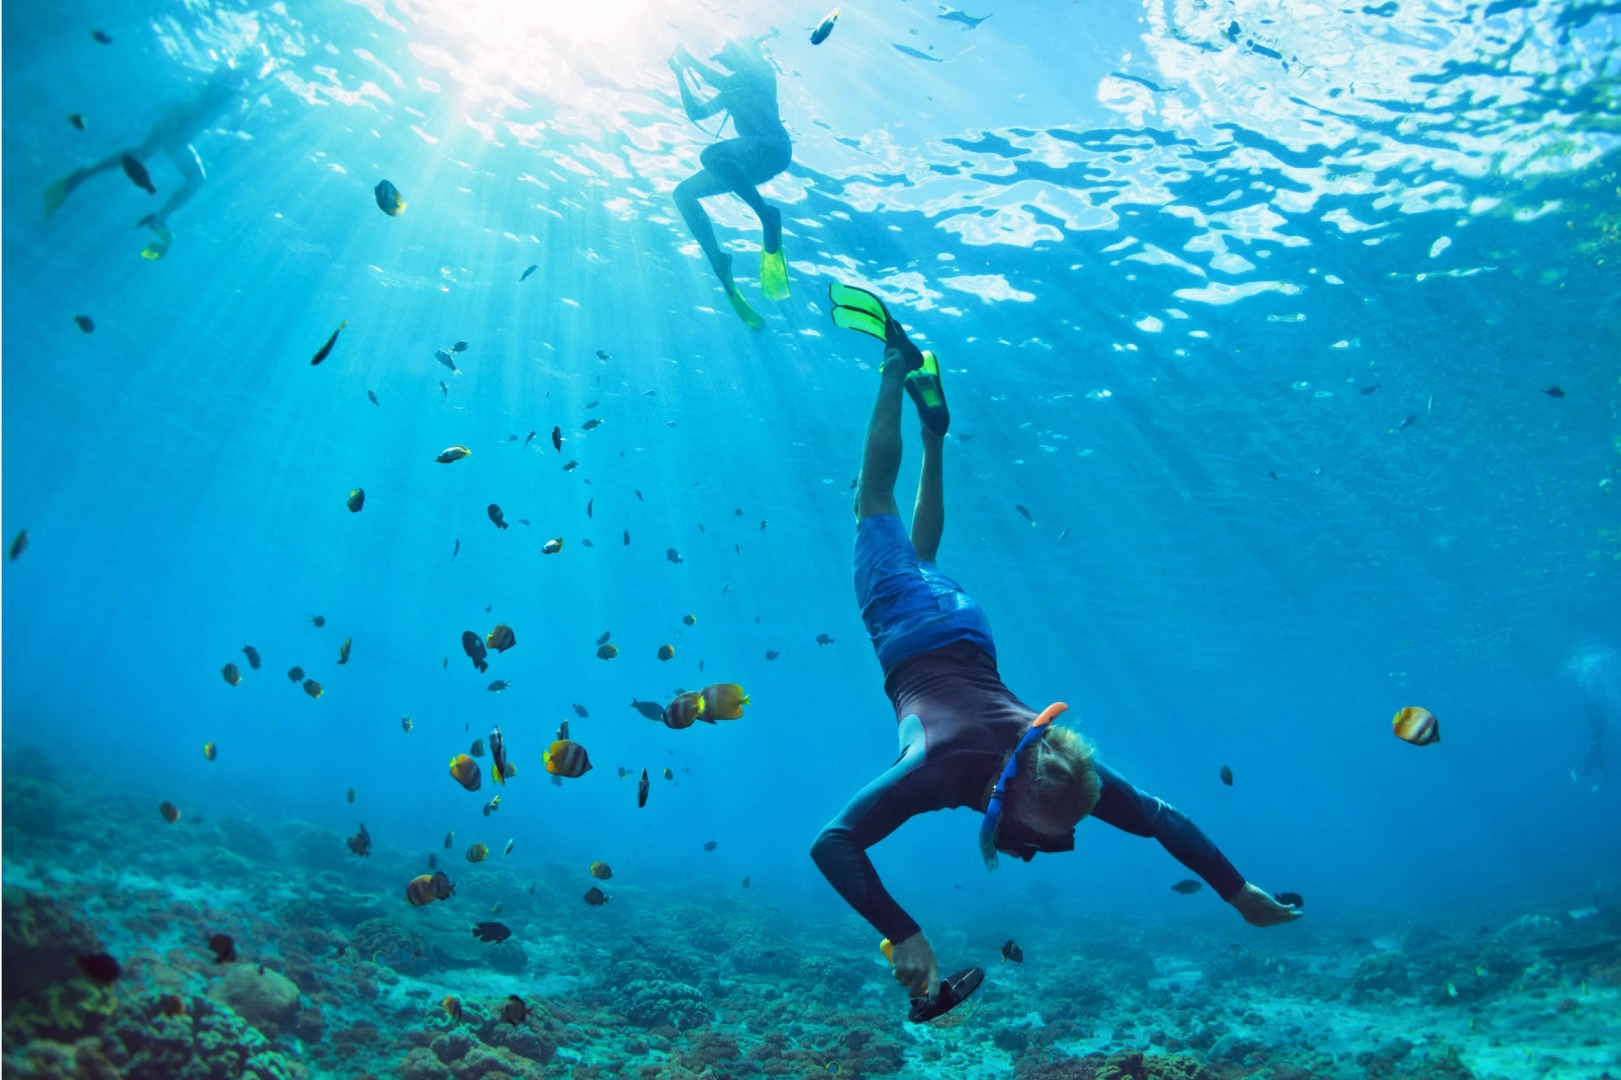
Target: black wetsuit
958 723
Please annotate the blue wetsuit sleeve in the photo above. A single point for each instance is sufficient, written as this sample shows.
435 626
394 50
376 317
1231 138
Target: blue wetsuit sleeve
877 810
1125 807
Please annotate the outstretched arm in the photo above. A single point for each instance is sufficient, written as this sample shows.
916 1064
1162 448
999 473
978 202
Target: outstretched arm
681 63
1125 807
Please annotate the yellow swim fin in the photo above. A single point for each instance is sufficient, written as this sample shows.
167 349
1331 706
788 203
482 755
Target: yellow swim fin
773 274
744 312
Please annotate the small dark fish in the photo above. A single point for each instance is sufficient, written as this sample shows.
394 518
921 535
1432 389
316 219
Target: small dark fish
498 685
1187 886
473 646
450 838
824 28
1407 423
589 505
232 675
457 550
496 516
673 555
295 674
580 711
1367 390
1011 951
652 710
532 268
445 357
169 811
1227 775
351 794
313 688
137 172
514 1012
745 883
823 639
343 651
492 932
253 656
641 790
603 639
712 845
76 120
571 466
371 395
101 36
326 350
223 947
477 749
100 967
85 323
1554 392
587 543
341 949
627 538
389 200
460 346
1024 513
19 544
607 652
317 621
602 355
557 438
591 424
1318 471
356 500
360 843
444 388
772 654
595 897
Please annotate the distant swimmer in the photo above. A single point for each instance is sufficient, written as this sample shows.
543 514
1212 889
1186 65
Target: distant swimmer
1597 670
965 739
172 135
760 151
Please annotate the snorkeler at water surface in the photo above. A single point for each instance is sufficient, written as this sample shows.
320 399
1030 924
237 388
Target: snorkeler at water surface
172 135
965 739
760 150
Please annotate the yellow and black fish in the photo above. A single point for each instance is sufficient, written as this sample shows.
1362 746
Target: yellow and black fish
1417 726
466 772
684 710
232 675
477 853
343 651
453 1008
666 652
564 758
357 500
552 546
498 755
452 453
723 701
170 812
669 774
427 888
606 652
600 871
313 688
210 751
388 199
825 27
326 350
501 638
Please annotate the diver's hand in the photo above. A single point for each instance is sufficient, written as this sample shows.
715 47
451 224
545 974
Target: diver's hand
1260 909
915 967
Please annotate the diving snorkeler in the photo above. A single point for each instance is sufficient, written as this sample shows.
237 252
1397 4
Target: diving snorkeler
171 135
760 151
965 739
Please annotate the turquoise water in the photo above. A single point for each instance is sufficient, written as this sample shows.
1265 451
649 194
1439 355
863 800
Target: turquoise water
1165 251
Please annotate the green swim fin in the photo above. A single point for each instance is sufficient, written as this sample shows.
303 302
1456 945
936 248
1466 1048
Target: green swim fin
923 385
858 309
158 248
744 312
773 274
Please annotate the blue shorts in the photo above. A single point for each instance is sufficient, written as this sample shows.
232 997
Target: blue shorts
909 606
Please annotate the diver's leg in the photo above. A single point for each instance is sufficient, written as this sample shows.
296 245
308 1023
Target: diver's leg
929 512
687 194
739 162
881 454
186 159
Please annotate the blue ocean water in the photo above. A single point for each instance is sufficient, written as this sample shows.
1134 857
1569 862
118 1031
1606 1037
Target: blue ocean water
1291 328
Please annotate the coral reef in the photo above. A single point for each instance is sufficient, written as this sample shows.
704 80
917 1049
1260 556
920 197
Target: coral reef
264 998
656 1003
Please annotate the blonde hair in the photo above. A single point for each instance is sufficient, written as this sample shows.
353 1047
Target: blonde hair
1056 776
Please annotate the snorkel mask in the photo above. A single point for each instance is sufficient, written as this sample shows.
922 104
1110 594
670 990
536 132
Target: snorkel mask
1022 842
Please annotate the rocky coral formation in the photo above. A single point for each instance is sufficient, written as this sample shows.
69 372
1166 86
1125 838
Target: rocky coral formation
151 1040
654 1003
264 998
1131 1065
44 993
